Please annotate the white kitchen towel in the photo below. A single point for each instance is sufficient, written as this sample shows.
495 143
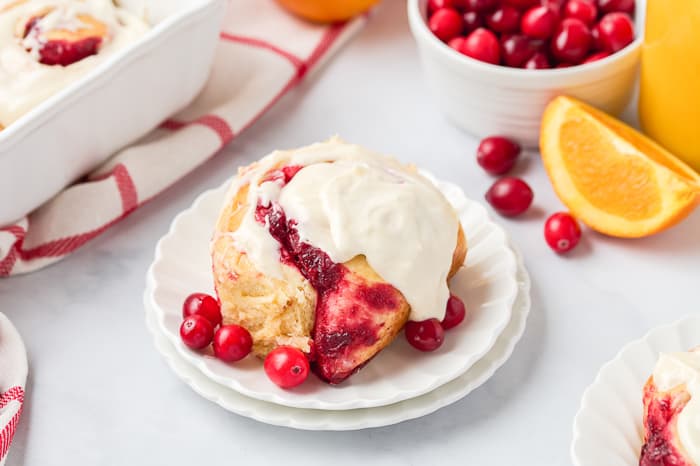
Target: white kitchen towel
263 53
13 376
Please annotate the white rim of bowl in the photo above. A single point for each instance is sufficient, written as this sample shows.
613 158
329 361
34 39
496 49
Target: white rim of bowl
420 27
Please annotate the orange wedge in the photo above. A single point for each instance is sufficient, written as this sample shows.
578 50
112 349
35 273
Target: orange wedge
614 179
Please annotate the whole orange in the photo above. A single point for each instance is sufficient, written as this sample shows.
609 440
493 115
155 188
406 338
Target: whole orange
327 11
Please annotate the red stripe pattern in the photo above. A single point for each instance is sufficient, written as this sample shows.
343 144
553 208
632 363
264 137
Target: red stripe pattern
8 432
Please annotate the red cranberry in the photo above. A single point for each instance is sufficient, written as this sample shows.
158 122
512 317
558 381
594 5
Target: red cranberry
614 32
538 61
510 196
196 331
480 6
562 232
564 65
521 4
595 57
497 154
472 21
454 313
555 5
611 6
482 45
457 43
516 49
435 5
426 335
204 305
232 343
504 19
572 41
539 22
445 23
286 366
585 10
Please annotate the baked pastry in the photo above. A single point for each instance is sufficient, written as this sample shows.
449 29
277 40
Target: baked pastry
47 44
331 249
672 412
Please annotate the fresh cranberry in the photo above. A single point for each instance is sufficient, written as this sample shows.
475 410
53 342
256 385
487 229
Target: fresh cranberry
472 20
204 305
538 61
446 24
454 313
497 154
286 366
516 49
595 57
196 331
232 343
457 43
480 6
539 22
614 32
435 5
611 6
585 10
426 335
504 19
521 4
572 41
562 232
564 65
556 6
510 196
482 45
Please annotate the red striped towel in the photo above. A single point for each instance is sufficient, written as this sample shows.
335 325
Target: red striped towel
263 53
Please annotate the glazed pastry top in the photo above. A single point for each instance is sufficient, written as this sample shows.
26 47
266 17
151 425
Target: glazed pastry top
348 201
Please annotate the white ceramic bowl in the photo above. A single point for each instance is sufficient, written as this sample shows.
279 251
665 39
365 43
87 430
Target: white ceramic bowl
487 284
608 427
486 99
119 101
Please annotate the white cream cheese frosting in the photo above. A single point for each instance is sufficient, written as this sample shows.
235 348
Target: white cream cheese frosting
24 81
671 371
348 201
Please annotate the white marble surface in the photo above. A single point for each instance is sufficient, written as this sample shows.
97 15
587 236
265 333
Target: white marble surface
99 394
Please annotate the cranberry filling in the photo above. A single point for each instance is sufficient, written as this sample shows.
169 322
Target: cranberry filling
658 449
345 310
63 52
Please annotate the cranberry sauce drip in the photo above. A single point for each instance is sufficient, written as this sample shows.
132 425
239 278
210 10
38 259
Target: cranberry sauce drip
658 449
313 263
347 308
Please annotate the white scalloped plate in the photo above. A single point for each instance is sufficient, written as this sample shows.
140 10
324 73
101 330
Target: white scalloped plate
354 419
608 427
487 284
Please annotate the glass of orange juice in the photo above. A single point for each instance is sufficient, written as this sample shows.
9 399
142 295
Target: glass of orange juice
669 99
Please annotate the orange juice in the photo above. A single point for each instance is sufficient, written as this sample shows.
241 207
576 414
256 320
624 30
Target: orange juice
669 99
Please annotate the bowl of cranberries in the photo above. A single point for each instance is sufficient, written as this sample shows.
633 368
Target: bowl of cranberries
493 65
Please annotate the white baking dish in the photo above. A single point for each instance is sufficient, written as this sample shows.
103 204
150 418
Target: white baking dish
119 101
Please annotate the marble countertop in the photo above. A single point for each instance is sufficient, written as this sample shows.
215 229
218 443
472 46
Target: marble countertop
100 395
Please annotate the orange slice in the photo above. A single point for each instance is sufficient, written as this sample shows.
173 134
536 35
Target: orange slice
614 179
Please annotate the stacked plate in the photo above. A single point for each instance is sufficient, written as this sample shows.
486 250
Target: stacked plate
399 384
